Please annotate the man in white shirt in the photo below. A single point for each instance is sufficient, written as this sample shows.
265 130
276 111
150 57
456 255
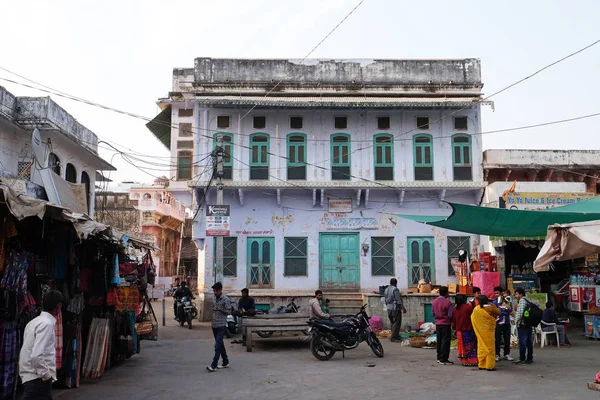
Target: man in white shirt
37 361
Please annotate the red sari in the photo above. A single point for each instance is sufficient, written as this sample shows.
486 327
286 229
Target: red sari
467 340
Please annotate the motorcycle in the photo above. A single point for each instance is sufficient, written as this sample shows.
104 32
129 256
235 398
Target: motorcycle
327 337
290 308
234 321
186 311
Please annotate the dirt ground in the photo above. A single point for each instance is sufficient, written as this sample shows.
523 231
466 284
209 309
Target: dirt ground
282 367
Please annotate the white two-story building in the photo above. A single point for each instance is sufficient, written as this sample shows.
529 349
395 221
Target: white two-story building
319 156
71 149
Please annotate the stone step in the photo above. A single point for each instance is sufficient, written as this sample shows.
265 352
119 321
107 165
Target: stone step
343 310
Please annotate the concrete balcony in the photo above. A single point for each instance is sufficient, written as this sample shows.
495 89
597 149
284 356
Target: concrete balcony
176 210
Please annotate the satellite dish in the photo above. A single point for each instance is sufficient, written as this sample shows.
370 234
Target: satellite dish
39 149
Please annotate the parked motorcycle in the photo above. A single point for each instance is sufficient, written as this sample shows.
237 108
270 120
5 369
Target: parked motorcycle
234 322
290 308
328 337
186 311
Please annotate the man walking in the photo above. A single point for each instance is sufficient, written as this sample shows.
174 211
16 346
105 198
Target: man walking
219 326
395 308
37 360
524 331
502 323
442 313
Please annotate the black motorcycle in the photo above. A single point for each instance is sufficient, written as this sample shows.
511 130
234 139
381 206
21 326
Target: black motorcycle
290 308
186 311
326 337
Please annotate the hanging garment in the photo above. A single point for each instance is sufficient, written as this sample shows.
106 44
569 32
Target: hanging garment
9 358
115 278
77 304
15 277
97 349
58 329
8 231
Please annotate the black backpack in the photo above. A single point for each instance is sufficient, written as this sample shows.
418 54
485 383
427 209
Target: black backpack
532 316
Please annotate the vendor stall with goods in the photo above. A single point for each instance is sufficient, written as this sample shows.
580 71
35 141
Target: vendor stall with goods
44 247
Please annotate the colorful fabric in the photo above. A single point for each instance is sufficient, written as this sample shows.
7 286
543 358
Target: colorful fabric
58 329
9 358
484 324
15 278
467 348
128 298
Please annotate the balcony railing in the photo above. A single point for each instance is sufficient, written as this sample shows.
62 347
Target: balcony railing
172 210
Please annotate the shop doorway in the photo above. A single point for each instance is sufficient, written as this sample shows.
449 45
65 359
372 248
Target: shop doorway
260 263
339 260
421 260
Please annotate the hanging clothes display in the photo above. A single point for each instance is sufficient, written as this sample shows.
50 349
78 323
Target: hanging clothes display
10 343
96 349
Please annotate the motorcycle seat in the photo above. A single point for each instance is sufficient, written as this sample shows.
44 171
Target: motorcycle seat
333 324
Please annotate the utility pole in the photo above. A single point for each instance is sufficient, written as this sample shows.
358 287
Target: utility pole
219 244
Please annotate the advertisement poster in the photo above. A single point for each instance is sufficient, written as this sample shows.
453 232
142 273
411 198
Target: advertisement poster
598 296
541 200
217 220
574 295
589 295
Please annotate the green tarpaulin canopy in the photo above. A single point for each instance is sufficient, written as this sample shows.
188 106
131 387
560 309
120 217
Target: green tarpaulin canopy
510 224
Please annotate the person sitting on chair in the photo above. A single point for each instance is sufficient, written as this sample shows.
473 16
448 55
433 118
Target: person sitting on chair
549 317
246 305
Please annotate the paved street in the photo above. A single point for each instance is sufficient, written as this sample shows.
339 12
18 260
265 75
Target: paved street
283 368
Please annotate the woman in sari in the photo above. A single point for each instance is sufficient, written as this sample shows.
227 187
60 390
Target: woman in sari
484 324
467 342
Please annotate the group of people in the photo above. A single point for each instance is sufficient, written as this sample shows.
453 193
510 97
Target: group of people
483 328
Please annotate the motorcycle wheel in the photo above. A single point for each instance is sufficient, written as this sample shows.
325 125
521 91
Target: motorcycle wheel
189 320
265 334
317 349
231 328
376 345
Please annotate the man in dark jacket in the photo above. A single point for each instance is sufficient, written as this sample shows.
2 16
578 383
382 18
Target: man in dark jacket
549 317
395 308
180 293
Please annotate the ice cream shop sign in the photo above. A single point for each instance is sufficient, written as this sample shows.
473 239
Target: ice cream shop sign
341 221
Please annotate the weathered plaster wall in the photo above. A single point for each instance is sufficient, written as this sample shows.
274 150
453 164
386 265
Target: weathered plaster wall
319 126
463 71
261 217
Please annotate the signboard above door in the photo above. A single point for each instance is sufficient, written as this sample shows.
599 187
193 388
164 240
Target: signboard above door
340 205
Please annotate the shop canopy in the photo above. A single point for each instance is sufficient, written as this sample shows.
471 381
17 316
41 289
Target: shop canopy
566 242
501 223
21 207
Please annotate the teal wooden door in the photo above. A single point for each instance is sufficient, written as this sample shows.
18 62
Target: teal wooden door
260 262
340 260
421 260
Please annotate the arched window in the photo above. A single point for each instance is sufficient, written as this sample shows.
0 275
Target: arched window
296 153
85 179
423 157
340 157
71 173
259 156
54 163
461 158
227 153
147 196
384 157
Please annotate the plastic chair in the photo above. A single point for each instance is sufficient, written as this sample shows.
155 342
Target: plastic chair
544 334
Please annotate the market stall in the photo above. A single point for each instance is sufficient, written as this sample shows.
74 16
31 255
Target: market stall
44 247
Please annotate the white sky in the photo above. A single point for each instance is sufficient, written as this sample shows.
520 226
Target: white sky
121 54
